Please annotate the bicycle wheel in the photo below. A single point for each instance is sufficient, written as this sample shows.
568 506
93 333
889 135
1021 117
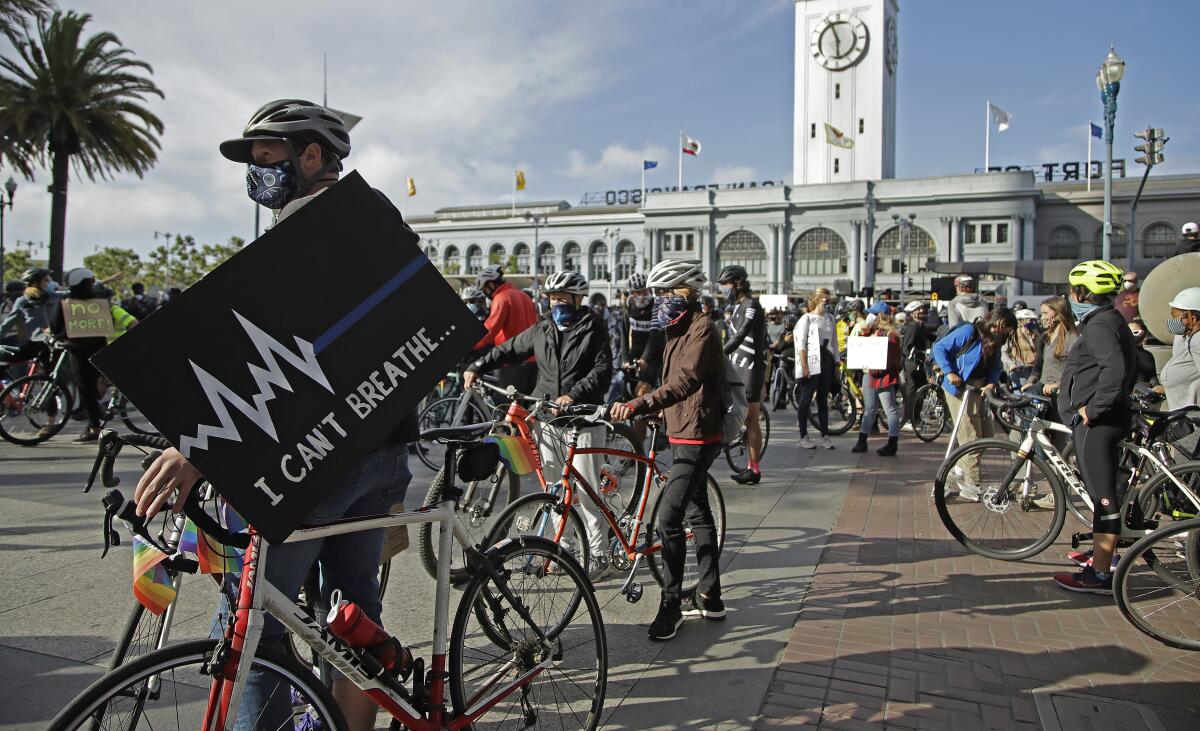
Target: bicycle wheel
33 409
482 503
137 423
630 473
929 412
442 413
126 698
843 411
1157 584
736 453
691 568
1004 524
552 638
139 637
539 515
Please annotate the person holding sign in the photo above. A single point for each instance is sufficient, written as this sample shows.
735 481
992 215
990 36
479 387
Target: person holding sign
879 388
574 365
815 337
293 151
82 346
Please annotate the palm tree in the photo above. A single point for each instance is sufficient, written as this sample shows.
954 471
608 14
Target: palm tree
15 14
78 100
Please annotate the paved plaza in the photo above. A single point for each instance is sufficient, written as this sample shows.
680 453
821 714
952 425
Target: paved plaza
850 607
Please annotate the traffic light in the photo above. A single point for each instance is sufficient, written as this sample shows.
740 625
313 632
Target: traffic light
903 268
1152 148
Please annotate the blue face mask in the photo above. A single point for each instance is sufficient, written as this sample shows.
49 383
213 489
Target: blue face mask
726 291
564 315
272 186
668 309
1081 309
1175 326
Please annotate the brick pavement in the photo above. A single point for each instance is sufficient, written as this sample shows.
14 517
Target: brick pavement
903 628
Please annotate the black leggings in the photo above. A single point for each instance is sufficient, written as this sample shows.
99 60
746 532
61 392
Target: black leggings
819 385
88 381
686 495
1097 449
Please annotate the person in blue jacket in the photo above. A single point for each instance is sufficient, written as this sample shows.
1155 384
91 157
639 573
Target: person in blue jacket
969 355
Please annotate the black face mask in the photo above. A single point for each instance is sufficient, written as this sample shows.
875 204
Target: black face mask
272 186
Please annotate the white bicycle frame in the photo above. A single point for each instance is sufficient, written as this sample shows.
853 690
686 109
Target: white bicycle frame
267 598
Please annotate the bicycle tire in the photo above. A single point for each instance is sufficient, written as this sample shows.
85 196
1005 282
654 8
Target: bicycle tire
441 413
716 503
506 524
929 406
126 411
736 452
477 597
1020 551
1159 486
81 711
842 410
621 431
1128 590
9 399
427 546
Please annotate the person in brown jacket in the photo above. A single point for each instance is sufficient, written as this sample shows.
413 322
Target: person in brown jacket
690 397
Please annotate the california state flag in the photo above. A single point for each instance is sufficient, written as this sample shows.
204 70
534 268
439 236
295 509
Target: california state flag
690 146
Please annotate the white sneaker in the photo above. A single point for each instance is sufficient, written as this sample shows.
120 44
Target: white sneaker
826 442
806 443
957 473
970 493
1045 502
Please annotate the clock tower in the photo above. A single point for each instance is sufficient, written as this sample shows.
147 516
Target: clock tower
846 56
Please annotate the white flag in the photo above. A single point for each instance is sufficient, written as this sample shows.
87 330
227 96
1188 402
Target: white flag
1001 117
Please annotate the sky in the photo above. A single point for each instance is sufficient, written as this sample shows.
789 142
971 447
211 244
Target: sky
459 94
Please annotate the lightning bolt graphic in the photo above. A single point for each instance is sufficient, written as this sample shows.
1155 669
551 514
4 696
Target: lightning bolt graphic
266 379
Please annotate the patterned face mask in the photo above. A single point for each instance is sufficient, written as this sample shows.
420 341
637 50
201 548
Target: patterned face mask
669 308
272 186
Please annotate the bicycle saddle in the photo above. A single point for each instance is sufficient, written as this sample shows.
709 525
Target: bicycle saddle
464 432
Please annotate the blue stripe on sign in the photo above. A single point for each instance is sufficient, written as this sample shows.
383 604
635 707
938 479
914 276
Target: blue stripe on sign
370 303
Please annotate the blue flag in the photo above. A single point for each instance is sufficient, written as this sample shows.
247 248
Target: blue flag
649 164
1096 131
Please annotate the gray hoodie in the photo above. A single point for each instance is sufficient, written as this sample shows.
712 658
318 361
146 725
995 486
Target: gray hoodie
966 307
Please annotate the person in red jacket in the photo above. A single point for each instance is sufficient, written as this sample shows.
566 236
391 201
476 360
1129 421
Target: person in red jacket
879 389
512 313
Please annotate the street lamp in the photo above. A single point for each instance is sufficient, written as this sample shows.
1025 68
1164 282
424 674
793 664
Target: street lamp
535 252
1108 80
11 188
905 227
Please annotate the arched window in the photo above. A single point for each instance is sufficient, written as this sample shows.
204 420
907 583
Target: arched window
743 247
496 254
474 259
546 263
572 257
626 260
918 248
521 254
819 251
1120 242
1064 243
431 252
599 260
451 263
1157 240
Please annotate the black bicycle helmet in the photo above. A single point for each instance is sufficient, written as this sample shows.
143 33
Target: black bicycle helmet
34 275
295 120
733 273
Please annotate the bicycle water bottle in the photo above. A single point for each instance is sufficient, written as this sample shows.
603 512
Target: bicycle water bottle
350 623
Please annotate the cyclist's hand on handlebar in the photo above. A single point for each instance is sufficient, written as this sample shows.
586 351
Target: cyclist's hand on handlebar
954 379
620 411
1049 389
171 471
564 400
469 378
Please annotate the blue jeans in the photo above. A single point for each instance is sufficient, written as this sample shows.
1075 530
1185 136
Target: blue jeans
872 399
349 562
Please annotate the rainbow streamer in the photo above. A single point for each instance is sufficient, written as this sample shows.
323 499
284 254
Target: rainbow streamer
514 452
213 557
151 583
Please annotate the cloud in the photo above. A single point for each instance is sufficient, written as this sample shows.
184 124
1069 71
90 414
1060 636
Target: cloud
616 159
734 174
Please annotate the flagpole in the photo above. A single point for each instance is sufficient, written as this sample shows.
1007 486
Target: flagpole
514 205
987 135
643 198
1089 167
679 150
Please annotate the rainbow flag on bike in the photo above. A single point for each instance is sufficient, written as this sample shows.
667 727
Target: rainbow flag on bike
213 557
151 583
515 453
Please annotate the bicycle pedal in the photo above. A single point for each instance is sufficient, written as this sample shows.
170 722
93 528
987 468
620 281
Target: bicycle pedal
634 593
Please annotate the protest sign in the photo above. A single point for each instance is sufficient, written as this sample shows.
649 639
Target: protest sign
91 318
282 368
866 353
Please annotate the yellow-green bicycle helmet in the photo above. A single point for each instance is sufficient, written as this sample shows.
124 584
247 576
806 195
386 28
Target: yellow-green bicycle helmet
1100 277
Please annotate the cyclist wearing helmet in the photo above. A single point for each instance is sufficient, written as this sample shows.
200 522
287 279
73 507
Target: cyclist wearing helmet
1189 240
293 151
574 365
512 313
1094 400
690 398
747 348
645 340
916 338
29 317
475 301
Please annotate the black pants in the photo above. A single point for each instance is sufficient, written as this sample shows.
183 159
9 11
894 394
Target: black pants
819 385
87 379
522 377
914 378
686 495
1096 451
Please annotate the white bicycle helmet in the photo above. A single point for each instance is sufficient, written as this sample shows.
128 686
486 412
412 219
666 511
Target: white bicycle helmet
1188 299
469 293
491 273
637 280
1190 228
673 273
78 276
914 305
569 282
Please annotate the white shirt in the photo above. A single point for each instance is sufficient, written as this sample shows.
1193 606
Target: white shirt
811 331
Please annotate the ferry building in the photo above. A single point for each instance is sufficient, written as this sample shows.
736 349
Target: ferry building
844 220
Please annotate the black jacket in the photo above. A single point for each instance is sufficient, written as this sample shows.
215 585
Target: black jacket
916 339
748 334
576 362
1186 246
1100 371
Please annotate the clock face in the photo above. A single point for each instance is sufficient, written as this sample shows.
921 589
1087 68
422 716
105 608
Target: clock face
839 41
891 51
